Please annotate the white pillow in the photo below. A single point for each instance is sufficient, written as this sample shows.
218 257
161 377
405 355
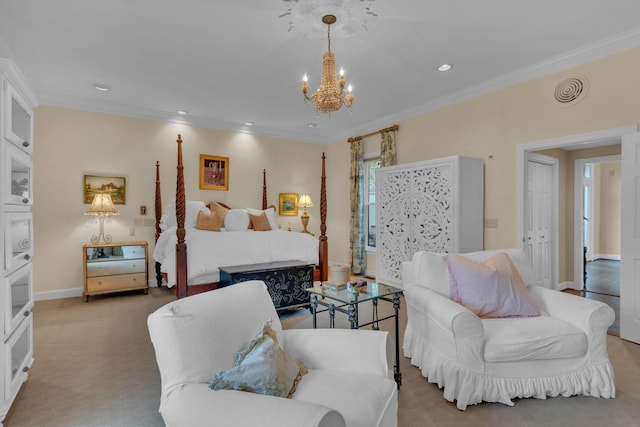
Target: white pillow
168 218
236 220
270 216
430 271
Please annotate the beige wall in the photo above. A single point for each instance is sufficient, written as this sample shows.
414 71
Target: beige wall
491 126
609 234
70 143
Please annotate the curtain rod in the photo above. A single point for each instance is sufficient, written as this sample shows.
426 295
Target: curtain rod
358 138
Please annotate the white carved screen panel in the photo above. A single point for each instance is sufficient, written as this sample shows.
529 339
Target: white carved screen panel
419 207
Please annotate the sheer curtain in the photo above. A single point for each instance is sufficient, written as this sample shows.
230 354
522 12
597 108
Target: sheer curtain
388 157
356 224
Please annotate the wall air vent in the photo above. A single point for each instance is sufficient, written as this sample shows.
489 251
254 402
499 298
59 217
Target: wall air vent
571 90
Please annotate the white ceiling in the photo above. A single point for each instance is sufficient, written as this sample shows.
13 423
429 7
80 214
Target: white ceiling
230 62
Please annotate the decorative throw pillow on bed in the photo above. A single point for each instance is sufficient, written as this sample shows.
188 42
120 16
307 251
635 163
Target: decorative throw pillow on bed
271 213
207 222
261 367
260 222
236 220
491 289
220 211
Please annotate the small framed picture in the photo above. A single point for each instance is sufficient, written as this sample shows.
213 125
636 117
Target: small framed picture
116 186
288 204
214 172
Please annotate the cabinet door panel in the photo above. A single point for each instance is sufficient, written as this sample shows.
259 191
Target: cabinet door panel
19 298
18 177
19 120
18 239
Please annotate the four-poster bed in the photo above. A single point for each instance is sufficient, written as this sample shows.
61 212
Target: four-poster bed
231 246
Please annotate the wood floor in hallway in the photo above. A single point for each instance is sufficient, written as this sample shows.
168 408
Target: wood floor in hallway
603 284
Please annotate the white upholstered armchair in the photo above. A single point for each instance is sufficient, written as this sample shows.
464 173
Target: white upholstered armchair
561 352
349 380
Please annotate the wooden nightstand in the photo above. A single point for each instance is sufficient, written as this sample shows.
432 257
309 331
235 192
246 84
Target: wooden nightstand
114 267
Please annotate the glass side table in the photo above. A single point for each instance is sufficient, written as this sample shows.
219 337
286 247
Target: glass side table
347 302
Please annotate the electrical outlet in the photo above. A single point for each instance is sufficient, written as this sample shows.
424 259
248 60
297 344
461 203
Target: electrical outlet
491 223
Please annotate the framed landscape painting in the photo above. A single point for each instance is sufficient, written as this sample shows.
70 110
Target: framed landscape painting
288 204
214 172
116 186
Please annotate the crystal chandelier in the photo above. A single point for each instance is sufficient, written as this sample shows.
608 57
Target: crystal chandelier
330 95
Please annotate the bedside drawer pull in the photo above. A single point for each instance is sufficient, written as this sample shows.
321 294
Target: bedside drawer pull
25 143
26 313
25 369
25 200
27 257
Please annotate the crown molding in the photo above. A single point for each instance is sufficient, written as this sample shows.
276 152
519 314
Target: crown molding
592 52
598 50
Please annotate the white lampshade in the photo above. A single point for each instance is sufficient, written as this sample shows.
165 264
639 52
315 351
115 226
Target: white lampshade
305 201
102 205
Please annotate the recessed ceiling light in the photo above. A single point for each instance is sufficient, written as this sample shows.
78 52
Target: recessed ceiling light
445 67
311 125
248 123
182 112
101 87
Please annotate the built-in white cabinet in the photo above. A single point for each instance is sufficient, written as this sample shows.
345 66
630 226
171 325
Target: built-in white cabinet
18 298
18 127
16 232
433 205
18 240
18 176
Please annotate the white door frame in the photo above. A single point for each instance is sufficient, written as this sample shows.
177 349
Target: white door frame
578 215
585 140
553 238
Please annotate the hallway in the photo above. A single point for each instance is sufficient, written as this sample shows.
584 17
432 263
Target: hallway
603 284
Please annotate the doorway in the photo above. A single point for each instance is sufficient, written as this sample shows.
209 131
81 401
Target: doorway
567 264
597 191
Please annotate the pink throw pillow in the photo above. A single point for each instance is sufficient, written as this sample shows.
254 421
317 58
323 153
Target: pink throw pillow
491 289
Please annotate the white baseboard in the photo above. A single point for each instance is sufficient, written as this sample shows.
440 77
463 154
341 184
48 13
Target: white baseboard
67 293
611 257
61 293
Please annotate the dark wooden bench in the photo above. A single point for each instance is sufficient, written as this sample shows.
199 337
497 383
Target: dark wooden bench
286 280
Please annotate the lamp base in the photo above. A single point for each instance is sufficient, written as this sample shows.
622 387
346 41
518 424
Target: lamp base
106 238
305 221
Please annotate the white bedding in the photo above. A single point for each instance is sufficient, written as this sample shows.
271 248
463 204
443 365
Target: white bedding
207 251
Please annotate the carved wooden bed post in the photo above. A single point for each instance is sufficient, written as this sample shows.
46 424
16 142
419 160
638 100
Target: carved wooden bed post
158 211
264 189
181 246
324 241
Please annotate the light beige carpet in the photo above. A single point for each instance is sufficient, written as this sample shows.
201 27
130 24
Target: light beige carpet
94 366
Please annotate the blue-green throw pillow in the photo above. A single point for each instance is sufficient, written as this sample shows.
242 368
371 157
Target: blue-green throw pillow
261 367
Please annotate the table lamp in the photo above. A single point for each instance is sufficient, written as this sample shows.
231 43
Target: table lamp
102 207
305 202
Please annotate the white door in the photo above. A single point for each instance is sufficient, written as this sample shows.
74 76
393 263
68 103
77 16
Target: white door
630 240
587 210
538 220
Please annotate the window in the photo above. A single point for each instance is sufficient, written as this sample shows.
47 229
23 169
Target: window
370 166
